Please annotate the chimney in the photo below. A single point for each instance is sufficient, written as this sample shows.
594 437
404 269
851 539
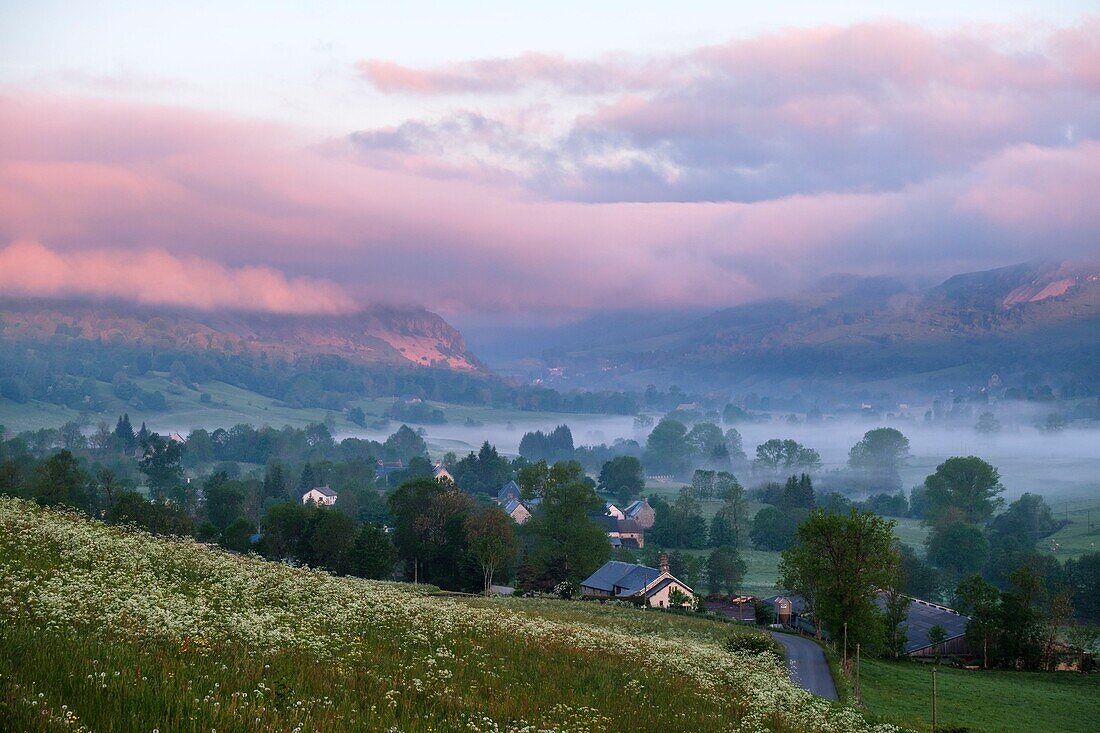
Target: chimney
664 563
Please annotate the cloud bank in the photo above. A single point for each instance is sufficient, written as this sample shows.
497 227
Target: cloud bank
155 277
557 186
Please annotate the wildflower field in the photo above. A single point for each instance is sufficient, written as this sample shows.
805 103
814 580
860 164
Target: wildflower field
109 629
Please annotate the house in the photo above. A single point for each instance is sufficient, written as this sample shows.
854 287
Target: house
383 469
411 399
441 474
613 511
319 495
646 585
177 438
641 512
517 511
920 616
508 492
621 532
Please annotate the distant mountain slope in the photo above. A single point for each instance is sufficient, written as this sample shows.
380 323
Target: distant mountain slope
380 335
1037 315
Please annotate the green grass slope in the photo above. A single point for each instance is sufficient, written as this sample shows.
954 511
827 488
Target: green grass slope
107 629
982 702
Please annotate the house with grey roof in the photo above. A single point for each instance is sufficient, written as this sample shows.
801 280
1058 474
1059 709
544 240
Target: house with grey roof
639 583
920 617
517 511
641 512
319 495
621 532
508 492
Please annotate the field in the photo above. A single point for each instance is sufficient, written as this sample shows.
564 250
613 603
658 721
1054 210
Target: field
108 629
983 702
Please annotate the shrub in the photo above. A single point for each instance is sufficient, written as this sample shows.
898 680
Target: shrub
754 644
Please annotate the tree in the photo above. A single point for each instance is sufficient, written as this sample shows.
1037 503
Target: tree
275 483
967 488
161 464
667 449
622 476
357 417
729 526
774 455
981 601
284 531
557 445
404 444
483 472
837 564
238 535
59 479
798 493
775 529
679 524
708 445
879 455
959 548
725 570
331 535
565 544
373 554
987 423
735 446
224 500
937 635
491 536
429 529
124 433
895 606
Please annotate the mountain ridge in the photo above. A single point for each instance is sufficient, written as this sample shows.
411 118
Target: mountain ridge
374 335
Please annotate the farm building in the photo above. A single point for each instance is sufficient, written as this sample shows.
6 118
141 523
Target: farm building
651 586
641 512
920 617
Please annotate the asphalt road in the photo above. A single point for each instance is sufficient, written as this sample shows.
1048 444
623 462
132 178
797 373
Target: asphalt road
807 665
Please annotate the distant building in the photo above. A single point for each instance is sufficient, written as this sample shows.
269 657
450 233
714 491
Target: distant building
641 512
319 495
920 616
650 586
517 511
508 492
626 533
383 469
176 438
613 511
440 473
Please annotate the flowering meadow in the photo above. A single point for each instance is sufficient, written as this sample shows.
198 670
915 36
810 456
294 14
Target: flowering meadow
104 628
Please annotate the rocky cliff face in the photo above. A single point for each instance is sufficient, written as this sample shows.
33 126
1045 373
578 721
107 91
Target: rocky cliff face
375 335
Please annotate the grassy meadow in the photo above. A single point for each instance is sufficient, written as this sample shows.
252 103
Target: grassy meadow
109 629
981 701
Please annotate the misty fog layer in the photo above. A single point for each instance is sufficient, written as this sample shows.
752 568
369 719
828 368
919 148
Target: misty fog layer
1064 464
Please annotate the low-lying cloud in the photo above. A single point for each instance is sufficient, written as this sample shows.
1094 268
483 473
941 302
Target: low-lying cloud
155 277
726 175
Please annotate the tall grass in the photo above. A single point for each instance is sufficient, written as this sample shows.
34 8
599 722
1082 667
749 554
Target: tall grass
107 629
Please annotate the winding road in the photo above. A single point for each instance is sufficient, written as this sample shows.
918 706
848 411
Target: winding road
807 665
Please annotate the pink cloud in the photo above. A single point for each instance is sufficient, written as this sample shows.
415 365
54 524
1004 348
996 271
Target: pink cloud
504 75
148 203
156 277
1041 189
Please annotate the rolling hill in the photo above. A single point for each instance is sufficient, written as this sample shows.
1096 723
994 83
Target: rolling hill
1038 316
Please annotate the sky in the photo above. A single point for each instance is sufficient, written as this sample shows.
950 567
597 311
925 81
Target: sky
537 161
